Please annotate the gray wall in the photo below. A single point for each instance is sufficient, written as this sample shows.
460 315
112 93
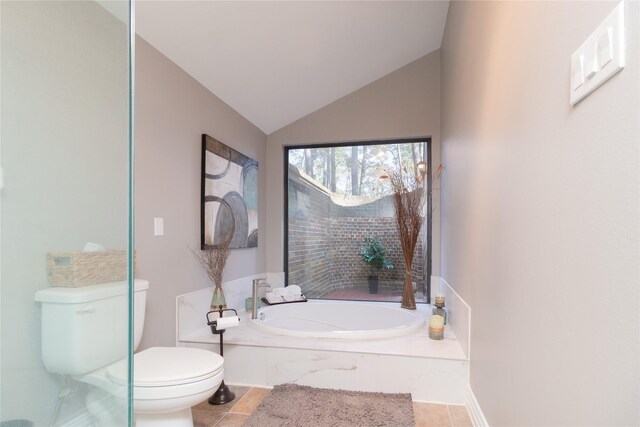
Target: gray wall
172 111
540 204
404 103
65 162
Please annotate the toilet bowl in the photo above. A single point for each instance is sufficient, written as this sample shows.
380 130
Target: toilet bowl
167 381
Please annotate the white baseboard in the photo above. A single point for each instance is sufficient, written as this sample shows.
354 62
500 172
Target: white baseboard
475 412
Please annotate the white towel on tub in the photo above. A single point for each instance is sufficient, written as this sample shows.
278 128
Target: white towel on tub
273 298
293 290
279 291
292 293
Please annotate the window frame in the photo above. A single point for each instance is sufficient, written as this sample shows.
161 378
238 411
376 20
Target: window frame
428 182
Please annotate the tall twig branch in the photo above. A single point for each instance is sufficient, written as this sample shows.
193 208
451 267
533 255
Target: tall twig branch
408 201
213 261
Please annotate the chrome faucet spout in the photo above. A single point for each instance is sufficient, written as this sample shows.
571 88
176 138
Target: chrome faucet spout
257 284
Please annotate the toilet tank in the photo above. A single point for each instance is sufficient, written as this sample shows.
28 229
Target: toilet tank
86 328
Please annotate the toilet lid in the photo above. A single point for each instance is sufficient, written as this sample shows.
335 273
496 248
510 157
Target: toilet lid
164 366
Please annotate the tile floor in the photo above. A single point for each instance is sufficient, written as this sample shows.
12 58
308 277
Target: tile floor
233 414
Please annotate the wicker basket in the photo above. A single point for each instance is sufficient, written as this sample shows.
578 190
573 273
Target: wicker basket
86 268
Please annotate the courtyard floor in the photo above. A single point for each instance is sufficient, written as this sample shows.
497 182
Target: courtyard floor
362 294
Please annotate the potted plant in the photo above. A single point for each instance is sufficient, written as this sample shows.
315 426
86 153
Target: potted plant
373 254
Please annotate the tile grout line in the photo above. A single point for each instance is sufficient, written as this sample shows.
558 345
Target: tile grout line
221 418
230 413
245 416
451 423
224 414
239 400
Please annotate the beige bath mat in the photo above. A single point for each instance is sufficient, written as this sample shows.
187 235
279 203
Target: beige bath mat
301 406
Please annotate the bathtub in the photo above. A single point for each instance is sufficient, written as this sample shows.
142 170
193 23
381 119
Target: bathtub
264 353
329 319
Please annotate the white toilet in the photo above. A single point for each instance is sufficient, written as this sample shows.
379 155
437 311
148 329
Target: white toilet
84 334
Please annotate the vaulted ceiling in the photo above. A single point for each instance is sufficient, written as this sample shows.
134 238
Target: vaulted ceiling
277 61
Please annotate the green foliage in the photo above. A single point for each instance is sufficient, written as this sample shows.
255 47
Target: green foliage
371 161
373 254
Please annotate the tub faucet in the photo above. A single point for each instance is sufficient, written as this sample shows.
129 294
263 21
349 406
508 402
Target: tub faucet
257 283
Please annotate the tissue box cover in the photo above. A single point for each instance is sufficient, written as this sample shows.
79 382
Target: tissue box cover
86 268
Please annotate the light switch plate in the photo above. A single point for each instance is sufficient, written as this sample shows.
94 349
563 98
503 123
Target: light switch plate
158 226
605 48
602 56
577 71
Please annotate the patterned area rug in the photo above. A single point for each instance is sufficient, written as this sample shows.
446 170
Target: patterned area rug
302 406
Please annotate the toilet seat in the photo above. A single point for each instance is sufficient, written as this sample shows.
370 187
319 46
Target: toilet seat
166 372
172 392
167 366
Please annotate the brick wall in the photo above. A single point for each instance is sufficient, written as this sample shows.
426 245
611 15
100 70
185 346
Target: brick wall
308 261
325 240
346 236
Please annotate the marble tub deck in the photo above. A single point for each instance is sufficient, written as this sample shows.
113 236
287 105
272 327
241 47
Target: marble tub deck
413 345
432 371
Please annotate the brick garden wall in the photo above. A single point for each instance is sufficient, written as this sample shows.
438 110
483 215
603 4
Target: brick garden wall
346 236
308 261
325 240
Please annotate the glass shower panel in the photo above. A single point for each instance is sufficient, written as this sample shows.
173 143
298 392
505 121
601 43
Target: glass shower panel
65 153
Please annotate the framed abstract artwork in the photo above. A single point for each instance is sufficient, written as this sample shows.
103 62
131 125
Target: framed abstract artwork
229 201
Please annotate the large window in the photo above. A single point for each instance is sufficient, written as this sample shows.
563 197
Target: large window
340 201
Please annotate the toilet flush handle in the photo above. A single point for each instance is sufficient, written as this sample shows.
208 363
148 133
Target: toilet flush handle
86 309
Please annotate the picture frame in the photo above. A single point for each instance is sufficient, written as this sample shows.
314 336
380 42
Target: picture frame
229 197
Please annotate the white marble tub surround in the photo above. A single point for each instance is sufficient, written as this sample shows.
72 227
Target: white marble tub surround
191 308
433 371
428 380
458 315
416 344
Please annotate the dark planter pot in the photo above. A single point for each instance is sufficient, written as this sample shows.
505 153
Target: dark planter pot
373 284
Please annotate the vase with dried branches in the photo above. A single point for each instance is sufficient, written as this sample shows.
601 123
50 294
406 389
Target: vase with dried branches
408 200
213 261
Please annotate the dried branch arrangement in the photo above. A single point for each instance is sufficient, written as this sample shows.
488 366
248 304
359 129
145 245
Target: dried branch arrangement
408 204
408 199
213 261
